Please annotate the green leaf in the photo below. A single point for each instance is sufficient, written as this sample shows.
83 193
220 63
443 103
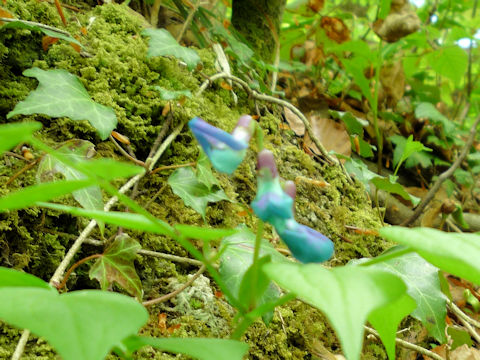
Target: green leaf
459 337
10 278
405 148
359 170
193 193
394 188
384 8
42 192
79 325
237 257
59 94
109 169
172 94
454 253
116 265
202 233
204 171
75 151
387 318
458 217
127 220
32 27
354 124
162 43
203 349
428 110
449 61
346 295
14 134
423 285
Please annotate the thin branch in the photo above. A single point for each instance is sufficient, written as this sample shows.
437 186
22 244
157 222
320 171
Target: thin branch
408 345
40 25
74 266
176 292
444 176
188 20
168 167
461 315
124 153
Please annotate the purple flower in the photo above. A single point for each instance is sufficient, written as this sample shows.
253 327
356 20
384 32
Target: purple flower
225 151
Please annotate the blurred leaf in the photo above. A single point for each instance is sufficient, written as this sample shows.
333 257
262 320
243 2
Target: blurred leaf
449 61
193 193
109 169
384 8
458 217
423 285
387 318
59 94
172 94
394 188
42 192
237 257
16 133
203 233
427 110
11 278
346 295
70 321
126 220
162 43
199 348
459 337
354 124
116 265
204 171
454 253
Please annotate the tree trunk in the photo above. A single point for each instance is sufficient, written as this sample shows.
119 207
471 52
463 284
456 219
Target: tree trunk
259 22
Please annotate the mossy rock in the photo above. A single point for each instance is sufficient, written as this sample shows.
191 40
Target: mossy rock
117 74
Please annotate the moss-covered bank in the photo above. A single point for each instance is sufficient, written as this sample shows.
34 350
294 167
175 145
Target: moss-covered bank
118 75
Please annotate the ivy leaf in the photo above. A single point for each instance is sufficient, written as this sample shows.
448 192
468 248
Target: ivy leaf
75 151
162 43
116 265
59 94
387 318
423 285
33 27
393 187
70 322
454 253
235 260
193 193
204 171
199 348
13 134
346 295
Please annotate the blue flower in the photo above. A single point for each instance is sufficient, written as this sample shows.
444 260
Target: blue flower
271 202
225 151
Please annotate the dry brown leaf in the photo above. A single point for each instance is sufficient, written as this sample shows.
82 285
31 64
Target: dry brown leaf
465 353
47 41
294 121
335 29
316 5
332 135
392 78
400 22
5 14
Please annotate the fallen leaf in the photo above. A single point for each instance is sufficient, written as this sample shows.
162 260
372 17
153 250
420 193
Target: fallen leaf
122 138
401 21
465 353
47 41
392 78
335 29
332 135
294 121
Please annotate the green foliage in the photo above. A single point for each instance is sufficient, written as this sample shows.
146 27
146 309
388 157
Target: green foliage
408 150
194 193
202 233
172 94
13 134
162 43
116 266
60 93
442 61
347 295
391 186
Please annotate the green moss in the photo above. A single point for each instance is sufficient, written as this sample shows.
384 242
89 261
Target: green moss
118 75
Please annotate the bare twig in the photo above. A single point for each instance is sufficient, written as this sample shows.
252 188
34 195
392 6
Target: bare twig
40 25
176 292
408 345
74 266
445 175
124 153
168 167
188 20
461 315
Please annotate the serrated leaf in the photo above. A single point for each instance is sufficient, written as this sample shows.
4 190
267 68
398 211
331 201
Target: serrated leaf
199 348
11 278
127 220
193 193
116 265
394 188
41 192
75 151
449 61
14 134
59 94
79 325
454 253
162 43
172 94
237 257
387 318
33 27
346 295
423 285
204 171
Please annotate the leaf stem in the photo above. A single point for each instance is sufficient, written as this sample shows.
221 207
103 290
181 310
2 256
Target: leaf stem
73 267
